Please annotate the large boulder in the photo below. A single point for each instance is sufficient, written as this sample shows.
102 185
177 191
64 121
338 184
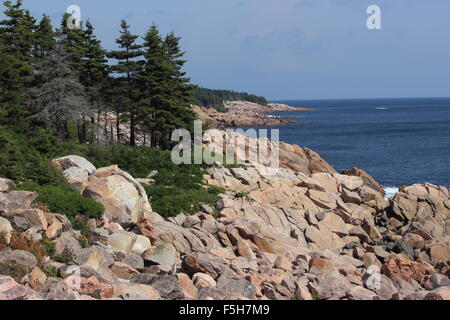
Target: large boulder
16 200
124 198
11 290
16 263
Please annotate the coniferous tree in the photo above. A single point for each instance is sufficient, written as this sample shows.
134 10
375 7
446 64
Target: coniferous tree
127 68
16 43
73 41
155 104
44 38
167 98
181 89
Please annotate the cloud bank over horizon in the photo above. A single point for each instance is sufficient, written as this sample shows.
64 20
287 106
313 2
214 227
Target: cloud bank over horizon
292 49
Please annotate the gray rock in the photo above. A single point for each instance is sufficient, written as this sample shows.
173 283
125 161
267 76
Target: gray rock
203 262
55 289
67 240
74 161
168 286
237 287
5 184
360 293
16 263
332 285
5 230
16 200
402 246
191 221
381 285
94 255
76 173
163 255
211 293
133 260
439 280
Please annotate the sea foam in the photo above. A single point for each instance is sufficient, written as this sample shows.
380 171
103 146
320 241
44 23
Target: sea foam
390 191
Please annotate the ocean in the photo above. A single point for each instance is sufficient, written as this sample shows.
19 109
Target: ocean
397 141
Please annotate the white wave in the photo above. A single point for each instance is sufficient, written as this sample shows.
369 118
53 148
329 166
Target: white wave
390 191
382 108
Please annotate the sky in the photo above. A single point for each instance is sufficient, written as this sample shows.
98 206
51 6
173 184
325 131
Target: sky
291 49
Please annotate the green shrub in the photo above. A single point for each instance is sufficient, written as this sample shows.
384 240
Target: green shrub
51 272
49 247
170 201
20 161
65 200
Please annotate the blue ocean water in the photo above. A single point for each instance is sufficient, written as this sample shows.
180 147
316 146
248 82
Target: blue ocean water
397 141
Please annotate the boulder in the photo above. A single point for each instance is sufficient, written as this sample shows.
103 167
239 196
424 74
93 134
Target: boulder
168 286
35 218
5 184
6 230
204 263
405 269
164 255
335 223
94 288
236 286
76 174
332 285
67 240
202 280
56 289
320 266
360 293
124 199
123 271
442 293
381 285
16 200
67 162
11 290
323 182
367 179
133 260
133 291
187 285
16 263
439 253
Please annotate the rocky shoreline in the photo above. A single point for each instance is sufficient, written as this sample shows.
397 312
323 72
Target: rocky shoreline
303 232
246 114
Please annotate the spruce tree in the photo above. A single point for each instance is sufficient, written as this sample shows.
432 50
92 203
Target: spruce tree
73 41
181 88
167 98
126 69
155 106
44 38
16 43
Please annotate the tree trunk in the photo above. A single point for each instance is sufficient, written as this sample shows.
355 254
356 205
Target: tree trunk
118 128
132 129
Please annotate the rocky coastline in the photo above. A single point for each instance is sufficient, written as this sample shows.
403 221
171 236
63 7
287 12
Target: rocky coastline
246 114
303 232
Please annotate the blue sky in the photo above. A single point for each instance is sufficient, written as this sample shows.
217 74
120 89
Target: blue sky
292 49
